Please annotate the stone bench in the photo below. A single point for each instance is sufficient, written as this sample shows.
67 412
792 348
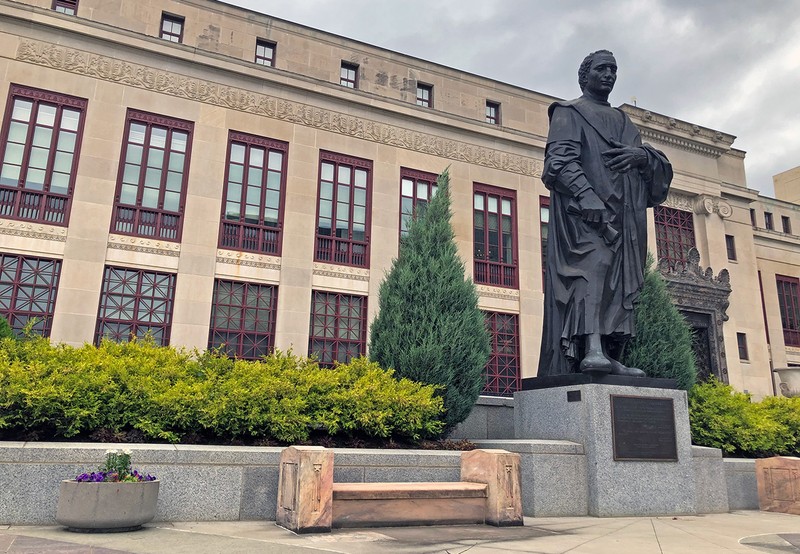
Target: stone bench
778 481
309 501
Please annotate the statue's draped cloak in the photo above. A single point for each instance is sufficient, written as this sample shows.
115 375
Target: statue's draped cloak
591 285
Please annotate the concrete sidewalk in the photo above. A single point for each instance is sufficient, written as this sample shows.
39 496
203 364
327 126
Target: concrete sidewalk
745 531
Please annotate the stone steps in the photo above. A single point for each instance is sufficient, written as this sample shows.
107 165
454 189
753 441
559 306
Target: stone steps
401 504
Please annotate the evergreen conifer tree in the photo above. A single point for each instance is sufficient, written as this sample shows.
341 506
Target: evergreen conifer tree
662 346
429 327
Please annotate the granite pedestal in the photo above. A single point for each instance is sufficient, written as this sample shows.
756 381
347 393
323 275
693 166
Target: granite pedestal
619 484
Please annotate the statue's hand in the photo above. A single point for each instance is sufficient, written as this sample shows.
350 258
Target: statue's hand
593 209
624 158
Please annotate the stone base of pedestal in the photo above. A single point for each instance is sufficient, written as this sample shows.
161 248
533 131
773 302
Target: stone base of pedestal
636 441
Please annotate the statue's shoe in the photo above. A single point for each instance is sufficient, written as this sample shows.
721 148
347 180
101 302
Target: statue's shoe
618 369
596 363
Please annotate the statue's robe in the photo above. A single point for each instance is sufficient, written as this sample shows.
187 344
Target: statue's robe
594 274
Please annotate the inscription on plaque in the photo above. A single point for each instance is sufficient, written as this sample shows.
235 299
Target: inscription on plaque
643 428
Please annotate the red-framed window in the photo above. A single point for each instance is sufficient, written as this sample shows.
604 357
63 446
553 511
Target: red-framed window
424 95
674 234
28 288
343 210
495 236
544 228
135 302
252 206
153 169
39 149
265 52
243 318
502 372
492 112
417 188
172 27
348 75
69 7
338 328
789 304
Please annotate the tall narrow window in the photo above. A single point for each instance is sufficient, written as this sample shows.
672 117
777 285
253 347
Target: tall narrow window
151 184
753 217
416 190
338 327
492 112
243 318
495 230
674 234
135 303
789 304
69 7
348 75
40 144
28 289
769 224
502 374
730 246
265 52
741 342
786 224
544 226
424 95
171 27
255 180
343 210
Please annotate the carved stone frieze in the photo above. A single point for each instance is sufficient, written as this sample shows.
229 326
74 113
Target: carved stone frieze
702 204
702 297
200 90
341 271
679 201
248 259
488 291
32 230
145 246
682 143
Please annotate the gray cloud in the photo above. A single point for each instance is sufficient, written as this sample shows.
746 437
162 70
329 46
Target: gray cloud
732 65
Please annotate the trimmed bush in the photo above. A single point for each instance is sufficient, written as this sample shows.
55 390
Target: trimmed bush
723 418
662 346
6 331
429 327
167 394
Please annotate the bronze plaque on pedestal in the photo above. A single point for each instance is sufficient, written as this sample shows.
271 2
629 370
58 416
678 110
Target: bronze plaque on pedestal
643 429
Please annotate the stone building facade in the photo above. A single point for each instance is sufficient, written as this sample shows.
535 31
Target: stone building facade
214 175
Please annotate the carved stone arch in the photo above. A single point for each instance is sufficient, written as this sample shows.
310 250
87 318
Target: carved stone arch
703 299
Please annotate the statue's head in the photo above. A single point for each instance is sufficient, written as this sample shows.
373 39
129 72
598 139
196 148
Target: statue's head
586 65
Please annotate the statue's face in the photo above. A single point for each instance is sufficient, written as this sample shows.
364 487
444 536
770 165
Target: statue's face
602 75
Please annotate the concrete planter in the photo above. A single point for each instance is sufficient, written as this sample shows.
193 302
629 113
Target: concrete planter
106 507
790 380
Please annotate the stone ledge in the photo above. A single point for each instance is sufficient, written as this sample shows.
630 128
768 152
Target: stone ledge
706 452
534 446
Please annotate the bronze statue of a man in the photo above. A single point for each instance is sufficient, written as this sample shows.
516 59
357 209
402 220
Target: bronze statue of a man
601 179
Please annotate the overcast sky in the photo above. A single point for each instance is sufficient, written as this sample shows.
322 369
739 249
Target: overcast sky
731 65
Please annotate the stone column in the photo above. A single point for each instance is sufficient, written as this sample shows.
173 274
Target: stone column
305 489
500 470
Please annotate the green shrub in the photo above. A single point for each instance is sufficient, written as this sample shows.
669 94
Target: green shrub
166 394
6 331
723 418
662 346
429 327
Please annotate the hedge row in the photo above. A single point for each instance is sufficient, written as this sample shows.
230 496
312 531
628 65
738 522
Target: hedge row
51 392
724 418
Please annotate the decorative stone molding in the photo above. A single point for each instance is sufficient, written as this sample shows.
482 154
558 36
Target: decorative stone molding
32 230
679 201
341 271
146 246
681 143
703 299
488 291
217 94
711 204
248 259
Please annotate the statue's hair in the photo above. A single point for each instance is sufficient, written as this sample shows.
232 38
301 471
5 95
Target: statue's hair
583 70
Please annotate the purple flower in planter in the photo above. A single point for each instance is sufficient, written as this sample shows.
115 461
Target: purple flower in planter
116 469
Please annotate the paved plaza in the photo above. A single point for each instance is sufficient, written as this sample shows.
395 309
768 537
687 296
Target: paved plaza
743 531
